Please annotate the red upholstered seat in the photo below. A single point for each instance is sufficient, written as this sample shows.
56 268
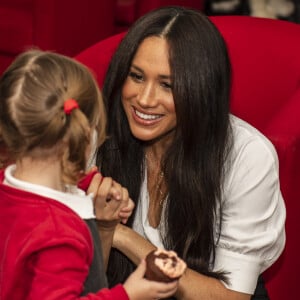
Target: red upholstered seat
127 11
68 26
64 26
265 57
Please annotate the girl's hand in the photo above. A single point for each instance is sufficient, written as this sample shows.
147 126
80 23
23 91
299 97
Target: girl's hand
137 287
111 201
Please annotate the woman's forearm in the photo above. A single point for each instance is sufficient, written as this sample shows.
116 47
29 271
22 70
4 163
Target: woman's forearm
192 285
130 243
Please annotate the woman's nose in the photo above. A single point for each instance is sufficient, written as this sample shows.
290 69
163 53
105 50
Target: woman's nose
147 95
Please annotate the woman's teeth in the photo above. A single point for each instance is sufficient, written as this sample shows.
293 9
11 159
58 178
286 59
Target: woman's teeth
147 117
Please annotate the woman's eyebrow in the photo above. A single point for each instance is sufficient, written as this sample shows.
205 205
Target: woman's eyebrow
165 77
161 76
137 68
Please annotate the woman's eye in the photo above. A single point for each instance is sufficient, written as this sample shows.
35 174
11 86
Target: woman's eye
166 85
135 76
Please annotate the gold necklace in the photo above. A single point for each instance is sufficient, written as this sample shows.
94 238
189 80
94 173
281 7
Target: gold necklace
160 179
159 183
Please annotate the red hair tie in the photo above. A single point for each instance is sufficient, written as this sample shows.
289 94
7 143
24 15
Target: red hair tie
69 105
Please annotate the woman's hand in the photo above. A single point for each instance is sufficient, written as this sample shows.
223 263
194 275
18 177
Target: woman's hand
111 201
112 206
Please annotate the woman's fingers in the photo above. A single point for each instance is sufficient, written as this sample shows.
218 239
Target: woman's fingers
126 211
112 202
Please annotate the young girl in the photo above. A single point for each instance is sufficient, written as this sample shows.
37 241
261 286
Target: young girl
50 108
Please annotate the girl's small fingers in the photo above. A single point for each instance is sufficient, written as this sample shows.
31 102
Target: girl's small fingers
116 194
126 210
124 198
104 190
124 218
117 190
129 206
94 183
165 289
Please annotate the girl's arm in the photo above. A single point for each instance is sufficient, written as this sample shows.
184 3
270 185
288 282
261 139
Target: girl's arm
112 206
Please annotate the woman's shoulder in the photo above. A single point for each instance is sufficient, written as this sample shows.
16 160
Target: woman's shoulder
249 139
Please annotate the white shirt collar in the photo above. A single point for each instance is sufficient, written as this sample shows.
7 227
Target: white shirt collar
75 198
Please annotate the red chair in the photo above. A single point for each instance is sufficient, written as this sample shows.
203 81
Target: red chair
65 26
266 93
127 11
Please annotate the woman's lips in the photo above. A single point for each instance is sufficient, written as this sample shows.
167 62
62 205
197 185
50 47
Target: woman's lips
144 118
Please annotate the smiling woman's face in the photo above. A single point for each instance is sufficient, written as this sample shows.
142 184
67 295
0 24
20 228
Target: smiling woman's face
147 92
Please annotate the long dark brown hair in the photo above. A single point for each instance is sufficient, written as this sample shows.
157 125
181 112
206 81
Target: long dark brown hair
194 163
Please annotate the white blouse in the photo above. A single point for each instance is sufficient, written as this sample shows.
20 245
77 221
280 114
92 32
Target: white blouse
253 223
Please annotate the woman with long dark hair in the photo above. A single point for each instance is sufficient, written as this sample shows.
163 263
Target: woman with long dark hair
205 182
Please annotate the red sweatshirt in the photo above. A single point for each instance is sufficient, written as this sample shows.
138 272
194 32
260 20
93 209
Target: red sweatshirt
45 249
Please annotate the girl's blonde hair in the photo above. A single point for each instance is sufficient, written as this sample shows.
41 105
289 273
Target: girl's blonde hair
32 117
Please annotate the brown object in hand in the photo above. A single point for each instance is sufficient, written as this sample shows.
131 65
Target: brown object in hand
164 266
